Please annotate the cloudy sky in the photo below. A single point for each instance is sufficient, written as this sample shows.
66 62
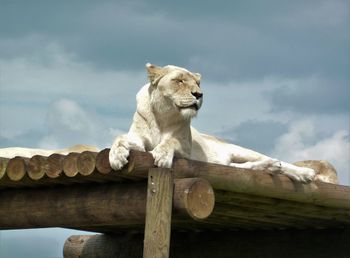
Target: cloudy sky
275 76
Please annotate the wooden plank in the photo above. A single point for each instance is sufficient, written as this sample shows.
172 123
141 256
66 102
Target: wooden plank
158 213
208 244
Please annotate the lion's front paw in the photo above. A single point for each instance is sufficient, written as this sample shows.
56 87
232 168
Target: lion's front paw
118 156
162 157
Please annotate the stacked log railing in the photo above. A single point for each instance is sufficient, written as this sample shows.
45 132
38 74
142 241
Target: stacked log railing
95 167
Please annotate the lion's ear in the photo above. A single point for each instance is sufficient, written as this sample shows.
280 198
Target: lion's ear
198 76
154 73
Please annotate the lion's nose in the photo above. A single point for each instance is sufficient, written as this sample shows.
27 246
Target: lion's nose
197 95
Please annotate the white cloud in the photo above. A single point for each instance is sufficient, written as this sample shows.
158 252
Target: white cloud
301 143
41 93
68 123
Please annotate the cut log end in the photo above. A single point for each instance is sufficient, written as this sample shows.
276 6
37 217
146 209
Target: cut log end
55 165
196 197
3 165
16 168
102 162
86 162
70 167
37 167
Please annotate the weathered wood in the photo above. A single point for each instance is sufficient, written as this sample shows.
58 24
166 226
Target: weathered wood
263 184
102 162
194 196
86 163
54 165
250 182
36 167
70 166
208 244
84 206
16 168
126 245
72 206
221 177
279 206
158 213
3 166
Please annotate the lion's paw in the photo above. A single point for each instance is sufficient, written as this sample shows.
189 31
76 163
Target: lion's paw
306 175
302 174
162 157
118 156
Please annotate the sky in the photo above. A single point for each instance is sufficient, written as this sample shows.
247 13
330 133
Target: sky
275 77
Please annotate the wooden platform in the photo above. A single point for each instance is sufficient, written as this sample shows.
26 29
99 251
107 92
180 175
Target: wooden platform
243 199
81 191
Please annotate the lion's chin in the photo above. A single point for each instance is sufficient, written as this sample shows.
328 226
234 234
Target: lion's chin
188 113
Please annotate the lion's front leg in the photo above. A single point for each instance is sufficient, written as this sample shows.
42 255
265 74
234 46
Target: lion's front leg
164 152
119 153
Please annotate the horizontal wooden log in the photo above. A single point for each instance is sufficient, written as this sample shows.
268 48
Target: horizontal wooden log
86 206
243 244
249 182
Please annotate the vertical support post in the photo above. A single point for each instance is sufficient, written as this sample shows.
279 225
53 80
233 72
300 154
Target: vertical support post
158 213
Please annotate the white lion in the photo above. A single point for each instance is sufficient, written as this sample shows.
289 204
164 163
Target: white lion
161 125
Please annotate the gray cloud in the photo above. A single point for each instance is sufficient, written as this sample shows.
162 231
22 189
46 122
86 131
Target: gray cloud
256 135
238 39
313 95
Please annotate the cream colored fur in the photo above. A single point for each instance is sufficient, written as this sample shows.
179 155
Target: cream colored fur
161 125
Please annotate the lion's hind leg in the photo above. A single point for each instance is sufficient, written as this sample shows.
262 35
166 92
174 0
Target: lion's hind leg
248 159
274 166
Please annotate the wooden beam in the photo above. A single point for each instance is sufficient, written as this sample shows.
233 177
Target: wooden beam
208 244
86 206
158 213
248 181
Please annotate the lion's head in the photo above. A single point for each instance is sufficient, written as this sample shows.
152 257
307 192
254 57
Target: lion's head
175 90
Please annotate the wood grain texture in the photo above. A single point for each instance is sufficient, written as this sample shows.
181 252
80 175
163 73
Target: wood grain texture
195 197
80 206
16 168
54 165
37 167
158 213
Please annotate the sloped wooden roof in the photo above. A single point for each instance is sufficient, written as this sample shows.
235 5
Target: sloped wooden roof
244 199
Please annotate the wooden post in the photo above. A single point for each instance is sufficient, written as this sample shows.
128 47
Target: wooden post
158 213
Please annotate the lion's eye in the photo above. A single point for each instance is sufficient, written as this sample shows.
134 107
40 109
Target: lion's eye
180 81
199 83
